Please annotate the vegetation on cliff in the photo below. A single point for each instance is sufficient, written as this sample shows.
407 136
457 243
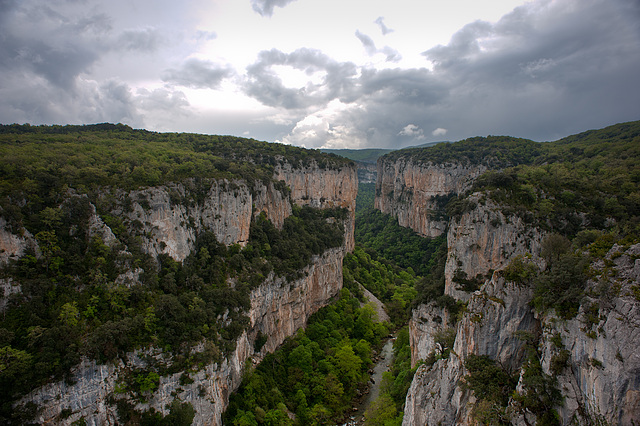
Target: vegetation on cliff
39 163
73 300
303 376
321 371
578 199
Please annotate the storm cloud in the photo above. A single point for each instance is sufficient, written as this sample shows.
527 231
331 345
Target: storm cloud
197 74
546 69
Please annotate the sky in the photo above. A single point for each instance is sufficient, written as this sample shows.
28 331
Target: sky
324 73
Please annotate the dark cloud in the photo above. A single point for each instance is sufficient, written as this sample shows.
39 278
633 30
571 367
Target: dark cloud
48 54
266 7
544 71
38 39
265 85
385 30
198 74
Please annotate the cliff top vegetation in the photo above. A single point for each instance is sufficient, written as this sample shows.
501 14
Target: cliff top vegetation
85 157
618 142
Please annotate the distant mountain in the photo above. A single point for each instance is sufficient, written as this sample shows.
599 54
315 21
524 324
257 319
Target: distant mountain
369 155
428 144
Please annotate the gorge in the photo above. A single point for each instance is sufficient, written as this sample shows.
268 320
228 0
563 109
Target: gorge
146 289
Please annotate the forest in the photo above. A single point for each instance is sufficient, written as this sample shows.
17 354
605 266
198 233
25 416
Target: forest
71 304
582 191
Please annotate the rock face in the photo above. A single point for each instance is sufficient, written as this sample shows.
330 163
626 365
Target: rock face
323 188
13 246
414 193
600 380
278 309
494 315
484 240
174 220
367 172
170 217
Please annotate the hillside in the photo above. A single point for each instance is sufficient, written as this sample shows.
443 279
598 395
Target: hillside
367 155
540 284
141 270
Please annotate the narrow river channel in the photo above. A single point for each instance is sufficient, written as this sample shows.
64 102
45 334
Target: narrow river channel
384 362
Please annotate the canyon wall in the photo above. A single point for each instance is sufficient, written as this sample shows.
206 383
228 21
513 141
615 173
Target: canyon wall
484 240
324 188
416 193
590 357
167 220
278 309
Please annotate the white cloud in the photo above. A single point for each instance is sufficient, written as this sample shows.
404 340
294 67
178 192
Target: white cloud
412 131
439 132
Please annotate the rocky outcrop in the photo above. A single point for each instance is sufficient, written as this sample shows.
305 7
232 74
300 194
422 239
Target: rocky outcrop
323 188
416 193
435 397
489 326
484 240
172 216
13 246
601 379
596 350
427 320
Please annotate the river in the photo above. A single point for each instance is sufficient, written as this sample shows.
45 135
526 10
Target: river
384 362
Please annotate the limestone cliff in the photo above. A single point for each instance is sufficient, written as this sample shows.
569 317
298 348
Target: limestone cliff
594 351
278 309
415 193
483 240
317 187
488 327
173 218
590 358
367 172
166 220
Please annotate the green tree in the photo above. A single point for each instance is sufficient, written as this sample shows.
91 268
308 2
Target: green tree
382 412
